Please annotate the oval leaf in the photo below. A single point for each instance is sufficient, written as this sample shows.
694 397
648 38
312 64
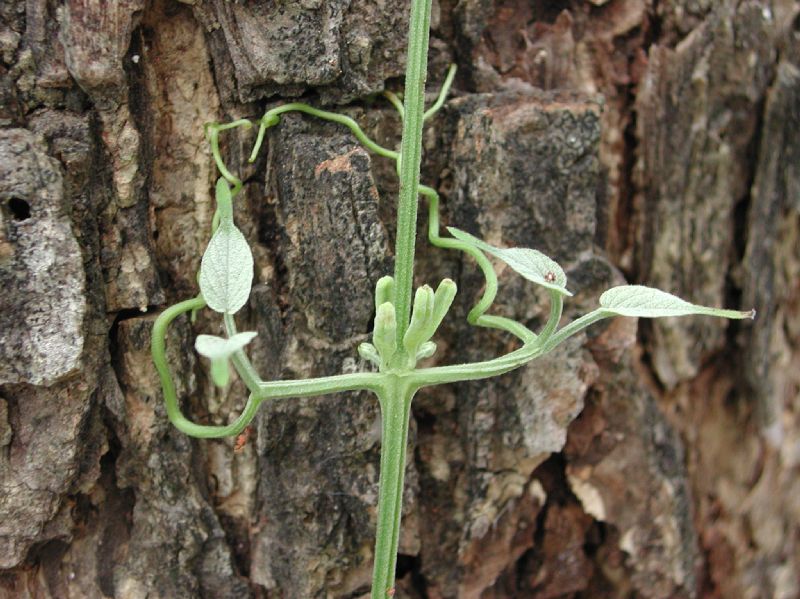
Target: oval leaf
218 348
531 264
646 302
226 271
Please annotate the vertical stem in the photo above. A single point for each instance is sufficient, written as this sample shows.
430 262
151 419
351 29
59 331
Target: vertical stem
410 156
396 398
395 412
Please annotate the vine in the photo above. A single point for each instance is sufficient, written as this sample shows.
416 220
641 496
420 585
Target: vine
404 325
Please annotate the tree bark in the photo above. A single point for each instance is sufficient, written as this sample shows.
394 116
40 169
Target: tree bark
653 142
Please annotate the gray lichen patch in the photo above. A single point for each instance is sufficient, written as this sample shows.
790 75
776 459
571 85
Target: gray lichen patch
53 449
42 306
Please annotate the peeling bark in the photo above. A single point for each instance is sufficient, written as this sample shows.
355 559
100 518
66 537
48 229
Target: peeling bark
654 142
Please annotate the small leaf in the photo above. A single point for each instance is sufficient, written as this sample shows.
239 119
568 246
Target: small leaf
531 264
219 349
226 270
215 348
646 302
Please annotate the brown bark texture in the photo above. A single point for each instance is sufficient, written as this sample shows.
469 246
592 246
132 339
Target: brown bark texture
649 141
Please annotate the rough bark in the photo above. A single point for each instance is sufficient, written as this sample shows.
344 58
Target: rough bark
648 141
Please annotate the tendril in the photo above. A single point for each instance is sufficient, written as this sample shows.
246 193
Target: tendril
212 135
477 316
448 82
396 102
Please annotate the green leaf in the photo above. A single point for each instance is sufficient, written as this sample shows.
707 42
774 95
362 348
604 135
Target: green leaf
531 264
220 372
646 302
226 270
218 350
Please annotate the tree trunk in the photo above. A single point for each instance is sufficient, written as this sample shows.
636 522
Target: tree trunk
653 141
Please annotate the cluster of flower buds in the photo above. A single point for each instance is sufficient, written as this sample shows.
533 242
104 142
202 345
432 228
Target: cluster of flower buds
429 310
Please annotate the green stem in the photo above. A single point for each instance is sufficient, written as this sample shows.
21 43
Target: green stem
410 158
395 403
556 307
474 371
358 381
212 135
576 326
240 360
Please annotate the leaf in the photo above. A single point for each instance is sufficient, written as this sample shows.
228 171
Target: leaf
531 264
220 372
219 350
226 270
216 348
646 302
